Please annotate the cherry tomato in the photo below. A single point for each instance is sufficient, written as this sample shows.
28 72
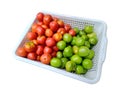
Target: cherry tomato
54 26
39 23
44 26
45 58
38 58
50 42
47 50
40 16
31 35
32 56
67 27
55 48
47 19
48 32
61 30
39 50
35 42
21 52
40 30
34 27
72 32
53 54
41 39
61 23
30 46
57 36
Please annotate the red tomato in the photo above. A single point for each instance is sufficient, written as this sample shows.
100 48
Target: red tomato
40 30
38 58
41 39
35 42
31 35
30 46
61 23
50 42
54 54
47 50
57 36
47 19
72 32
34 27
44 26
39 23
54 26
67 27
32 56
40 16
55 48
21 52
61 30
45 58
39 50
48 32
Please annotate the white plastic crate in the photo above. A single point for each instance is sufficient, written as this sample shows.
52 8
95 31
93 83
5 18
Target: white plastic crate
93 75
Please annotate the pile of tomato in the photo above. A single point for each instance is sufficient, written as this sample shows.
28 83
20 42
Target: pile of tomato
53 42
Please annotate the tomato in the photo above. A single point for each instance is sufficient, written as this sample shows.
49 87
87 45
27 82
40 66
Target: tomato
38 58
77 59
55 48
61 23
48 32
21 52
47 50
40 16
41 39
31 35
72 32
54 26
32 56
40 31
67 37
67 27
39 23
55 19
34 27
57 36
39 50
55 62
47 19
53 54
87 64
61 45
44 26
30 46
61 30
45 58
50 42
35 42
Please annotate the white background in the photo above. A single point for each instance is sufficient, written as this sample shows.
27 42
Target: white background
15 15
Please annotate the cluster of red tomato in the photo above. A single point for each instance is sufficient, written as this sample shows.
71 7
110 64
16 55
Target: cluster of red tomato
45 32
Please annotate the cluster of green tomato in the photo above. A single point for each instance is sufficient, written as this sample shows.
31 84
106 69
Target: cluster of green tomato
75 52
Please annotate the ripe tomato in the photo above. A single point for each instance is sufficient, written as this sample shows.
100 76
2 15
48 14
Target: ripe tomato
35 42
54 26
61 23
41 39
40 30
55 48
48 32
39 23
50 42
21 52
30 46
47 19
54 54
61 30
44 26
45 58
38 58
67 27
39 50
72 32
47 50
34 27
57 36
31 35
32 56
40 16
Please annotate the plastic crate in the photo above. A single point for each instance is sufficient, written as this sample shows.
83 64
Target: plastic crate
100 27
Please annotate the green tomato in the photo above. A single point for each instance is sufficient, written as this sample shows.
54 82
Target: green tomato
68 51
87 64
61 45
70 66
79 69
73 41
76 29
67 38
92 35
76 58
84 71
80 41
55 62
88 29
90 55
75 49
85 37
82 32
87 44
93 40
59 54
64 61
83 51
